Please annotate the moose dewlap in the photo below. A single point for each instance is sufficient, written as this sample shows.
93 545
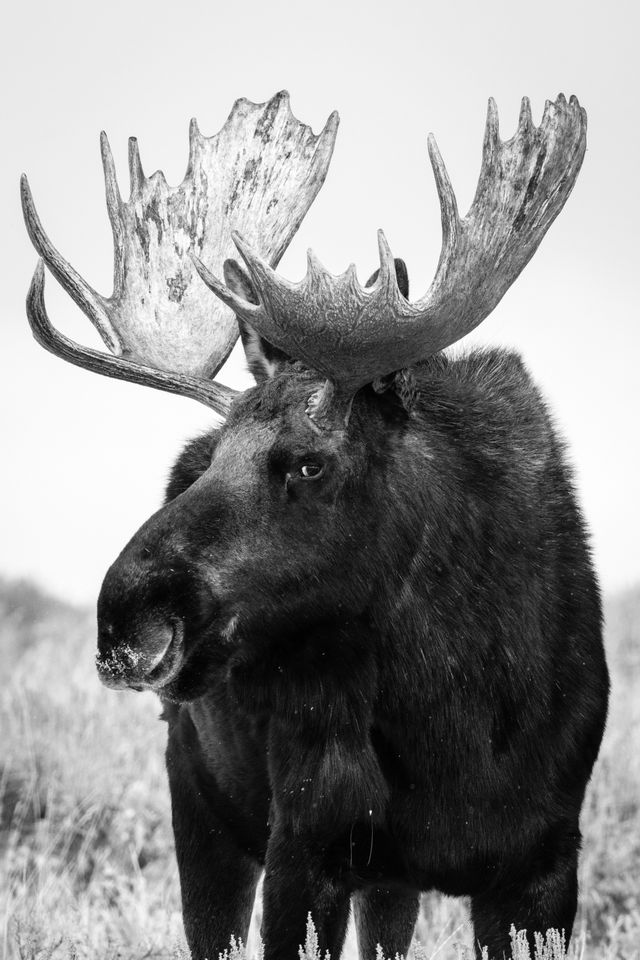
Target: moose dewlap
368 602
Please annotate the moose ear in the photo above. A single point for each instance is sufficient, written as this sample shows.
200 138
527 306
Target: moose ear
264 360
402 277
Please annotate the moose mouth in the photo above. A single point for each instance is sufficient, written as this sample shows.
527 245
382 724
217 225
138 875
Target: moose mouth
129 668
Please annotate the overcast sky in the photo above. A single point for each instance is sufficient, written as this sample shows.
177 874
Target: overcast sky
85 458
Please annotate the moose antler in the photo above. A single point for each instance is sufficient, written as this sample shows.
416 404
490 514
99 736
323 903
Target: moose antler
353 335
259 174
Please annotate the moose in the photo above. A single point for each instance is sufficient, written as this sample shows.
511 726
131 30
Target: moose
368 603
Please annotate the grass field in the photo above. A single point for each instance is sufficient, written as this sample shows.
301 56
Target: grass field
87 867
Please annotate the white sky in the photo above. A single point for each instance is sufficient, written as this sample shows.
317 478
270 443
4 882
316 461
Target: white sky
85 458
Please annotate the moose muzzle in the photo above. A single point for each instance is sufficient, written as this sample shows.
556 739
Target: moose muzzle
140 624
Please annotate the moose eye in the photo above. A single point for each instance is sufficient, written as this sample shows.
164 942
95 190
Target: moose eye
311 471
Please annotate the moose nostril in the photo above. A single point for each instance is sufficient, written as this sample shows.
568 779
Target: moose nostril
162 640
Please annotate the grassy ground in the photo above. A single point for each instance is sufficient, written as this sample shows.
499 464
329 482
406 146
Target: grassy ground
85 841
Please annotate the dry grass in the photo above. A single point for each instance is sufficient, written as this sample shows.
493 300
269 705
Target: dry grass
88 871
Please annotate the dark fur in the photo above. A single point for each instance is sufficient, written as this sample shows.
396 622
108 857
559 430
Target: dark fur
415 692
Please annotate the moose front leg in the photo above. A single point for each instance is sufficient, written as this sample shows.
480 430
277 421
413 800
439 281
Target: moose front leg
297 883
385 916
218 877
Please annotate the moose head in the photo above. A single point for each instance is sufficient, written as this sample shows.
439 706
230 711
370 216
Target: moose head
274 521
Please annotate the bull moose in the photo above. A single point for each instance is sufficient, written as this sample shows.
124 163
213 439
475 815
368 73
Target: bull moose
368 603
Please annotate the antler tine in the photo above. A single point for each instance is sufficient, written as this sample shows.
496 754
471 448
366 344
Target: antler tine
112 189
259 174
242 308
114 205
525 120
260 271
387 275
214 395
448 204
90 302
136 173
